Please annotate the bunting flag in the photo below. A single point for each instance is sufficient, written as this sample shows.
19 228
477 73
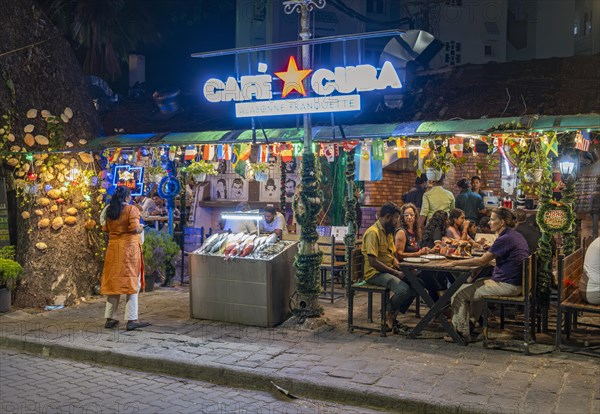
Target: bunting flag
286 152
208 152
115 155
401 145
551 146
378 150
190 152
424 148
234 156
274 149
582 140
263 153
298 148
367 169
244 151
456 146
349 145
473 146
321 150
227 152
330 152
172 152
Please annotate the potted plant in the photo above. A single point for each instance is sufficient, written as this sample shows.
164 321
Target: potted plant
260 171
155 173
10 274
200 169
439 161
160 257
532 163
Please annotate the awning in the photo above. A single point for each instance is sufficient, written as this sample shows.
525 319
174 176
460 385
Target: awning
483 126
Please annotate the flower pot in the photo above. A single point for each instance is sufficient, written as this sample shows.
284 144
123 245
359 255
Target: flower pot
534 176
261 176
433 175
200 177
4 299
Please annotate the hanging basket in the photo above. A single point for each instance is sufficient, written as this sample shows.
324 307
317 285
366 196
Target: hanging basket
534 176
433 175
200 177
261 176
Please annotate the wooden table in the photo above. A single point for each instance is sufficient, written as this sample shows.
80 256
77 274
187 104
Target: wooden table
460 273
155 219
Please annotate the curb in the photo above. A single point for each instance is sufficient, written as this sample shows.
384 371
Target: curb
231 377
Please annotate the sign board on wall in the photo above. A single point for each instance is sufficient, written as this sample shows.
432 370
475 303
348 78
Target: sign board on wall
336 90
130 177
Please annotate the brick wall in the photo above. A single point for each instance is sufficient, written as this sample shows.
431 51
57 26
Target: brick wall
490 179
391 188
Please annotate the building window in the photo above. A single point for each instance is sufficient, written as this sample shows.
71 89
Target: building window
587 23
454 3
375 6
576 26
453 53
488 50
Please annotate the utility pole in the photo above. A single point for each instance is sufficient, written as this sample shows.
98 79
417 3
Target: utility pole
307 203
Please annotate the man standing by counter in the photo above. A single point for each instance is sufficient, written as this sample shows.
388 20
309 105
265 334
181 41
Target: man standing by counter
273 222
436 199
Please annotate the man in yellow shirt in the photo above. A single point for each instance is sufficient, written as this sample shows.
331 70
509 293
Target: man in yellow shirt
381 265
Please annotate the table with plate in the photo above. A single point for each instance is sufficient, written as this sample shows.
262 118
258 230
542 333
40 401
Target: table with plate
156 220
412 266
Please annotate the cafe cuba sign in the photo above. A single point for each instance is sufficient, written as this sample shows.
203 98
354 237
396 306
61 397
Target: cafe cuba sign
336 90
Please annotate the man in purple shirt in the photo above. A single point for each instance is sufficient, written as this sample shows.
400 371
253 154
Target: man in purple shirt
509 250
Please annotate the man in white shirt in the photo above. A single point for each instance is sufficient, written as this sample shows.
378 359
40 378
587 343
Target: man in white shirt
589 284
145 204
273 222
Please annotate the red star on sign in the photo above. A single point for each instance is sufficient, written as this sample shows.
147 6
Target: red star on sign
293 78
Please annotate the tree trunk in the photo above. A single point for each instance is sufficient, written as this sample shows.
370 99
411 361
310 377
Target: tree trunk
38 70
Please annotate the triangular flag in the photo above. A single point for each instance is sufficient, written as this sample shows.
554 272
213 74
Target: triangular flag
456 146
367 169
263 153
208 153
349 145
226 152
244 151
378 150
234 156
190 153
549 146
424 149
401 145
286 152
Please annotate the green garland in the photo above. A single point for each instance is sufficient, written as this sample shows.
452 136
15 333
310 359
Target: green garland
282 200
567 209
350 204
544 251
307 204
568 197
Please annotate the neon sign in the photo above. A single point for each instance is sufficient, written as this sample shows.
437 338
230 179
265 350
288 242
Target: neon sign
254 94
130 177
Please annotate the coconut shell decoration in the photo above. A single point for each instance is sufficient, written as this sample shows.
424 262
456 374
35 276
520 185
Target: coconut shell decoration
25 215
42 140
41 246
64 118
68 112
72 211
57 223
86 158
43 223
54 208
12 162
11 137
43 201
69 144
29 140
39 212
90 224
83 204
29 128
71 220
15 148
54 193
32 113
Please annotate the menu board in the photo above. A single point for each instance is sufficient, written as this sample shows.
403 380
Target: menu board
587 190
4 232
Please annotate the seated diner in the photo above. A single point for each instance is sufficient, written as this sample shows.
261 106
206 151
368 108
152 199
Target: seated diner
509 250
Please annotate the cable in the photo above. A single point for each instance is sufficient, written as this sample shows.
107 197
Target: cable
353 13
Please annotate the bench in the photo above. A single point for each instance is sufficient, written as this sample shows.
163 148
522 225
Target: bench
355 283
570 270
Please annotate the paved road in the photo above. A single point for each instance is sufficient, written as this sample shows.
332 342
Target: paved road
33 384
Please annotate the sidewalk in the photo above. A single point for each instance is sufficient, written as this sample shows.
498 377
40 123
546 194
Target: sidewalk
327 363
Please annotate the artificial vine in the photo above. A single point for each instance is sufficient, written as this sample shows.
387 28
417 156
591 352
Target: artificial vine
307 204
567 142
350 204
544 251
282 200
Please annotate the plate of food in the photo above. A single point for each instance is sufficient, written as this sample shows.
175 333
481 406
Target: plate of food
433 256
415 260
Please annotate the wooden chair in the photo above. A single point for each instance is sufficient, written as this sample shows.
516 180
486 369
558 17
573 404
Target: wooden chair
526 300
331 266
570 270
354 284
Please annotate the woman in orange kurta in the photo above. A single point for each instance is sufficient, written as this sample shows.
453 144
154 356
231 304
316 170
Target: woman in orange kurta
123 272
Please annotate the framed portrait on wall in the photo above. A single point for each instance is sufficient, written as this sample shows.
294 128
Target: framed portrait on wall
238 189
219 188
269 190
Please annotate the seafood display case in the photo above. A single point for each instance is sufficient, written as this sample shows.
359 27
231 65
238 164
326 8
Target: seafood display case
242 278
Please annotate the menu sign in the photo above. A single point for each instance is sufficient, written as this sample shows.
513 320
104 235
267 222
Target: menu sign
4 232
